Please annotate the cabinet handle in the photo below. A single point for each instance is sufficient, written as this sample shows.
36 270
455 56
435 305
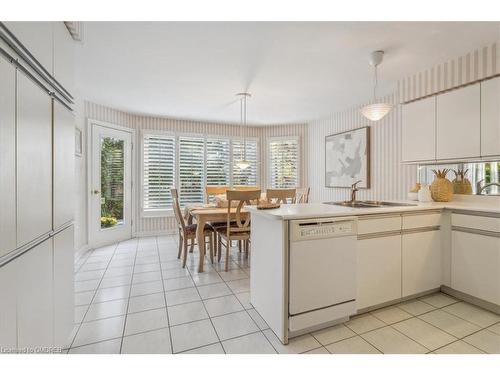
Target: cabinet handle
96 192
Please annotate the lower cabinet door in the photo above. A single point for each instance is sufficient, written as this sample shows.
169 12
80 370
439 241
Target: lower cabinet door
475 265
35 327
379 270
421 262
63 286
8 329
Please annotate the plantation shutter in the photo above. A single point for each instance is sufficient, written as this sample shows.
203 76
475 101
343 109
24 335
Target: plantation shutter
283 163
191 170
248 176
159 172
218 162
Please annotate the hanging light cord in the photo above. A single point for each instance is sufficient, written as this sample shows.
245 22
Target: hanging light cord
375 83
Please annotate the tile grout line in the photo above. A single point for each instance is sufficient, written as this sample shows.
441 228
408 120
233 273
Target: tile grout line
164 296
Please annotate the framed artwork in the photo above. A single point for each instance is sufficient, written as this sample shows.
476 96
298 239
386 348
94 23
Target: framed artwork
347 158
78 142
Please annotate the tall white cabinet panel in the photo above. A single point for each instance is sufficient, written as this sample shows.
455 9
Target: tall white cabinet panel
421 255
37 37
64 164
34 161
475 265
7 157
63 286
379 270
8 329
490 117
419 130
459 123
63 56
35 324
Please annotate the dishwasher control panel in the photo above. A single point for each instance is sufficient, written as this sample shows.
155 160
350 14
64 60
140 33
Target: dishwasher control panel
310 229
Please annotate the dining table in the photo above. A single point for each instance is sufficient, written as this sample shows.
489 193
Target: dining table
206 213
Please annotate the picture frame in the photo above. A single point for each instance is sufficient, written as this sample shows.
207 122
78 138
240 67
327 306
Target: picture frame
78 142
347 158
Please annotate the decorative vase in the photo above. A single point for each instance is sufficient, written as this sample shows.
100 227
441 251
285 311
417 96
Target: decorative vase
424 194
441 187
461 184
413 194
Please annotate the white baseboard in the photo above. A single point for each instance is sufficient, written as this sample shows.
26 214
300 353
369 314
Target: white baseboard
155 233
82 250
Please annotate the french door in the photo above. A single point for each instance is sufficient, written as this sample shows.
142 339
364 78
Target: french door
111 184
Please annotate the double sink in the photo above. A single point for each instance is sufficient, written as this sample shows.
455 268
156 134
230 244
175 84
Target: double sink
370 204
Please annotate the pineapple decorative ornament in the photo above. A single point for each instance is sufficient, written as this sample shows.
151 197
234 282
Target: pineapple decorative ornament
461 184
441 187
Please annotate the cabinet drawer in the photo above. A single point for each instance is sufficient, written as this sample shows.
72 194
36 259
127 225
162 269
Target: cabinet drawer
380 224
490 224
421 220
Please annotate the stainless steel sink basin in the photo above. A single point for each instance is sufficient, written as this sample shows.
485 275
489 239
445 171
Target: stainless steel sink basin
370 204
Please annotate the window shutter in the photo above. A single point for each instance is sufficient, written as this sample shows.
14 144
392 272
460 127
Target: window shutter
159 172
248 176
218 162
283 163
191 170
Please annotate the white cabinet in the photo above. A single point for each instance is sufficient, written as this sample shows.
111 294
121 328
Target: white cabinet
37 37
64 164
419 130
475 265
63 286
459 123
421 262
8 328
490 117
7 157
378 270
34 161
63 56
34 301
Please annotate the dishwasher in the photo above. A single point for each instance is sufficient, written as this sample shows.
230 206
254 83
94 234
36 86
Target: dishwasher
322 273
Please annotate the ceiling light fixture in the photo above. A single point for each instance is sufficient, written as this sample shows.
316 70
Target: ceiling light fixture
377 110
243 163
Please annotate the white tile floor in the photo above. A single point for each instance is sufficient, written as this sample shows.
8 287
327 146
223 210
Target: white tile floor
134 297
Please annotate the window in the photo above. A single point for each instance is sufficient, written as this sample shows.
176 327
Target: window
158 172
283 161
191 170
248 176
191 163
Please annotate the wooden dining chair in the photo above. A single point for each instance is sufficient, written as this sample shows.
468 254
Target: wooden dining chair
245 188
236 228
302 195
212 191
187 232
281 195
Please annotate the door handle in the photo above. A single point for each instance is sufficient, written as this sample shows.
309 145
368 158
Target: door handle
96 191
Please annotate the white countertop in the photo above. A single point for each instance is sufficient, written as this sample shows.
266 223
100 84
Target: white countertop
312 210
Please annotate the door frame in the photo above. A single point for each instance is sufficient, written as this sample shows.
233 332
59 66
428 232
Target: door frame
88 160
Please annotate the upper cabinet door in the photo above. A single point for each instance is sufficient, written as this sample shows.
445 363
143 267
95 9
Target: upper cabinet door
490 117
34 161
64 164
7 157
459 123
63 57
419 130
37 37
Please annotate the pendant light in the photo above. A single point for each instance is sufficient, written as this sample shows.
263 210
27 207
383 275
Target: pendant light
377 110
242 163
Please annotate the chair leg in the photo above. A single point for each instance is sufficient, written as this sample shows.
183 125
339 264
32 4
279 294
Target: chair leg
211 245
228 248
184 254
219 246
246 249
239 246
192 246
180 246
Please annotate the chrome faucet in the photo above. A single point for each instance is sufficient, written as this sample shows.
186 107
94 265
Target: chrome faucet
354 189
480 189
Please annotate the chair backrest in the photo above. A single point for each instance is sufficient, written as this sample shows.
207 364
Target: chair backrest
214 190
302 195
242 197
246 188
281 195
177 209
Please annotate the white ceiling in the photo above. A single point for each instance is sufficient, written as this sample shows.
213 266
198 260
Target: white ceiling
295 71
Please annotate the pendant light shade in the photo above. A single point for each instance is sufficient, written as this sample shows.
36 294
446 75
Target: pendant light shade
377 110
242 163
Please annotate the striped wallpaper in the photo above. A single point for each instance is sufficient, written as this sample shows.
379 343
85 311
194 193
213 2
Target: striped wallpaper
390 180
474 66
145 226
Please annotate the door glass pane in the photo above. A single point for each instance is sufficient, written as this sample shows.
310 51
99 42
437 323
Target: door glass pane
112 189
